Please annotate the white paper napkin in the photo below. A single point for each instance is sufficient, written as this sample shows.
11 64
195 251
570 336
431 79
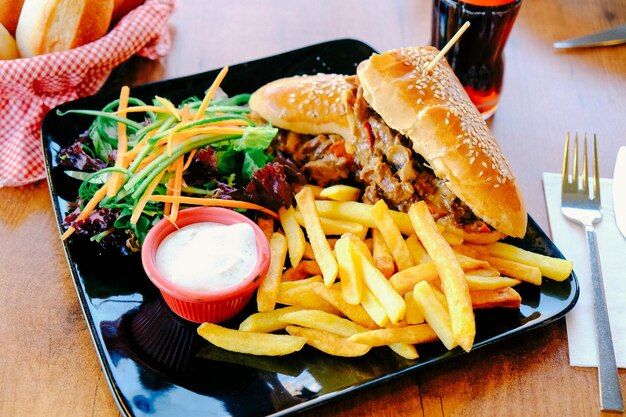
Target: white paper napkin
570 239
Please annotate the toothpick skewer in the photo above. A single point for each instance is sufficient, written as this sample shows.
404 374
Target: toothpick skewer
449 45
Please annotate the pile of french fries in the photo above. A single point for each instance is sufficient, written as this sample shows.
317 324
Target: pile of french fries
345 277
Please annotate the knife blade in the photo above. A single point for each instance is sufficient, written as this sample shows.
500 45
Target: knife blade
614 36
619 190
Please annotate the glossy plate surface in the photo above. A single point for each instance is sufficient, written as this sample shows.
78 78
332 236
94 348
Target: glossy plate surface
155 363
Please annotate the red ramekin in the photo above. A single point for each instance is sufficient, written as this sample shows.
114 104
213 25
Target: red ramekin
201 306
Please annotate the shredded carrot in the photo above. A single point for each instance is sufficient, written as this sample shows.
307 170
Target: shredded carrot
130 155
147 195
210 93
189 159
178 137
97 197
167 207
185 114
122 145
178 183
169 106
146 161
230 122
197 201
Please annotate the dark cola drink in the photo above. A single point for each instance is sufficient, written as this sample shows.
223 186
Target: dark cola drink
477 57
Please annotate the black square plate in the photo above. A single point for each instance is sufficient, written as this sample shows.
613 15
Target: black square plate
155 363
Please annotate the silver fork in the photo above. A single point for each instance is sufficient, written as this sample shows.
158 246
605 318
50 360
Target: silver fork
578 206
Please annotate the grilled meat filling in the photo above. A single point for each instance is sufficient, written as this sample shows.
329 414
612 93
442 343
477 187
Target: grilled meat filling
390 170
322 158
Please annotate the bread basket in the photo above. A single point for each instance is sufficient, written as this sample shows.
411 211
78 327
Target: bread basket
30 87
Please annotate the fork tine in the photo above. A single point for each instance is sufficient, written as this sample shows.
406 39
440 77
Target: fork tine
565 180
596 170
585 174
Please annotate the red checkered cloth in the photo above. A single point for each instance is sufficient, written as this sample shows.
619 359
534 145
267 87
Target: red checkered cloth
29 88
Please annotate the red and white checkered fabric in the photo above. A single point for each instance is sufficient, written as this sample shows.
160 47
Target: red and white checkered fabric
29 88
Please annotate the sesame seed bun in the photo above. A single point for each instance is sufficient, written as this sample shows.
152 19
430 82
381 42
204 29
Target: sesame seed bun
435 113
309 104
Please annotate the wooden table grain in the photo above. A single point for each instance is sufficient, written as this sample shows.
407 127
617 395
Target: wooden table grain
48 365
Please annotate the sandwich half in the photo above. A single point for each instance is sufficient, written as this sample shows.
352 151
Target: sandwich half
408 135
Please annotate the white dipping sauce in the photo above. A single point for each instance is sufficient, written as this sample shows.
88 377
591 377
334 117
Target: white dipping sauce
208 256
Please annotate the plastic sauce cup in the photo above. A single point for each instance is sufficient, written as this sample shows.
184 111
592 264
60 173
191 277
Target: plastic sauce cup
199 306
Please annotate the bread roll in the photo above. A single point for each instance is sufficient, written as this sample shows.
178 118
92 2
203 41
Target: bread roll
309 104
58 25
10 13
434 112
8 48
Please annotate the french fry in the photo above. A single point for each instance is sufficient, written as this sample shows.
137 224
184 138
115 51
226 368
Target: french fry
341 192
517 270
267 344
470 264
381 254
360 213
480 282
304 282
302 270
321 320
485 272
294 234
452 238
294 274
435 314
369 243
392 302
440 296
405 350
414 335
336 227
329 342
321 248
317 190
266 322
472 250
392 236
404 281
512 269
334 296
413 314
451 275
266 224
304 296
349 271
308 251
418 252
503 297
267 292
361 246
483 238
553 268
373 307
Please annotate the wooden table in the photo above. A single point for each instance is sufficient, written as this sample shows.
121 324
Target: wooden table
48 366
